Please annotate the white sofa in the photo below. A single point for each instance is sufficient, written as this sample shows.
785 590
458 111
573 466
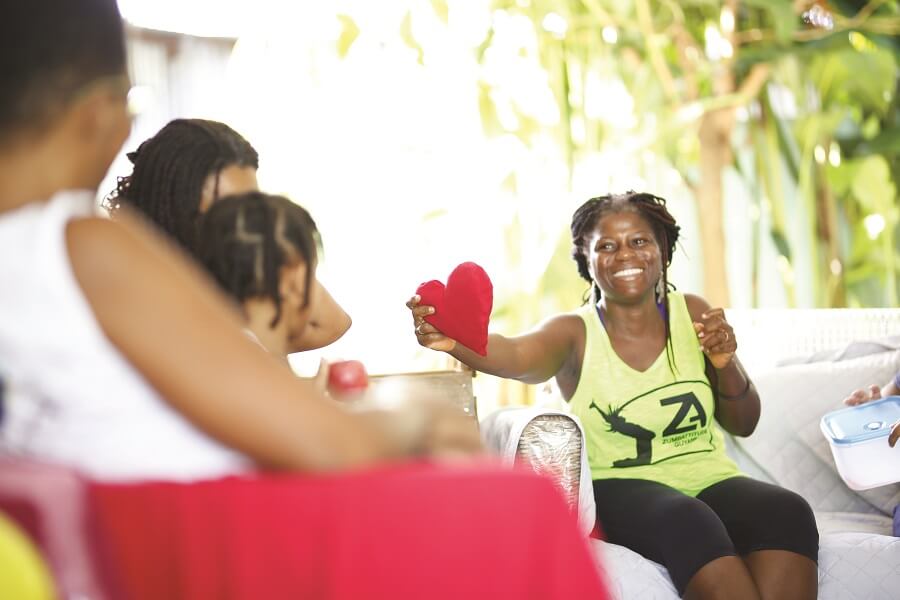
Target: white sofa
803 363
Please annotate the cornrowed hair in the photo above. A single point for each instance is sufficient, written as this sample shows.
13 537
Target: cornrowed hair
170 169
245 240
665 230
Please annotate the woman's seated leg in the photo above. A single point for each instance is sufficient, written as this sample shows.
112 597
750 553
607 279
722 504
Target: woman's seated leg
774 530
677 531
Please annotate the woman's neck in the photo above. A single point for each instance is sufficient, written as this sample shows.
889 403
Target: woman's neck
632 320
34 169
259 314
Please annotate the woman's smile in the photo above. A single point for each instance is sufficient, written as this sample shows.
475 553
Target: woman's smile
631 273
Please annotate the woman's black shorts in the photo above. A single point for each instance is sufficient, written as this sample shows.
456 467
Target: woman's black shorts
733 517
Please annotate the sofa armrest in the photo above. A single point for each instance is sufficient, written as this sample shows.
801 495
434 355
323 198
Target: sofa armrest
550 442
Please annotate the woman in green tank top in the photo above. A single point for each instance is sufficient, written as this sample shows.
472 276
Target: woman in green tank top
654 378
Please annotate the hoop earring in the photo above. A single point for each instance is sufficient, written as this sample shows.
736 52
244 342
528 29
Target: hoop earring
660 289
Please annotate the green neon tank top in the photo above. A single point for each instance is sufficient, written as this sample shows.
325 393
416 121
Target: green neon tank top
653 424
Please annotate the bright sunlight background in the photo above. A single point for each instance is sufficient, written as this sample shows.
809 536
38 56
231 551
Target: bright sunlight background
368 113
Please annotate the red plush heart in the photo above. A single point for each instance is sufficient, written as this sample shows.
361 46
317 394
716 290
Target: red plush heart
462 308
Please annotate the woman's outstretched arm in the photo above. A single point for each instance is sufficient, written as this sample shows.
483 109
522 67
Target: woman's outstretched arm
532 357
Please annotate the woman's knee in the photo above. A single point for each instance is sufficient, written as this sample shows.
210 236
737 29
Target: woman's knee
784 521
794 514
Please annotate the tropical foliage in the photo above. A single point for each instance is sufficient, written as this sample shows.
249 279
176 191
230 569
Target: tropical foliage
743 99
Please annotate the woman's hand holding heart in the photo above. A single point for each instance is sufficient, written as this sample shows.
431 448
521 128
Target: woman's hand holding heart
427 334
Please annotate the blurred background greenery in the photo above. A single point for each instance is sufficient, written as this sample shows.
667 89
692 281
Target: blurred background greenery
426 132
740 99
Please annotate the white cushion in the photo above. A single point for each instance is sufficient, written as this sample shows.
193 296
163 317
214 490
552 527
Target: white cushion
843 522
851 566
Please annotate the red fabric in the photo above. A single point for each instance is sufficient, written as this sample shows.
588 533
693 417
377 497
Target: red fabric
416 531
49 503
462 308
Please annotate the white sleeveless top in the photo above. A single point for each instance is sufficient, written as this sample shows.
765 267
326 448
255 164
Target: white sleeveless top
70 396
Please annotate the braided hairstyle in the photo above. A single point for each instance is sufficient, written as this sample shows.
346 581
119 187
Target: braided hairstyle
665 230
245 240
170 169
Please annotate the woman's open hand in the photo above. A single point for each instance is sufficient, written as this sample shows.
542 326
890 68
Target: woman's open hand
427 334
716 337
873 392
862 396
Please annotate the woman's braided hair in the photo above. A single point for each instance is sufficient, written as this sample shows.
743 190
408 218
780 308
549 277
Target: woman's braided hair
245 240
665 230
170 169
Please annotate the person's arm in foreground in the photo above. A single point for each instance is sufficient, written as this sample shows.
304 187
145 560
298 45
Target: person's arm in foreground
177 331
737 402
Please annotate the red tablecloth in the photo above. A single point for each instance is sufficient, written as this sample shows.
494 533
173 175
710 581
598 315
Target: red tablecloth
416 531
413 531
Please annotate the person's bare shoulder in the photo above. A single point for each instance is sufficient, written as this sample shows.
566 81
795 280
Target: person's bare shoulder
102 254
569 325
696 306
95 238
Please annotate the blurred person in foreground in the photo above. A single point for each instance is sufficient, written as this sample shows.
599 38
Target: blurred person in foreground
119 357
122 360
653 374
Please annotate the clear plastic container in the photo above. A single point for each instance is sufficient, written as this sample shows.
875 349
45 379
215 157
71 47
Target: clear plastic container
858 437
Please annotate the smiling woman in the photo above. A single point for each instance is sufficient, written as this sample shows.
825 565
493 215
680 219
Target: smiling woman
653 376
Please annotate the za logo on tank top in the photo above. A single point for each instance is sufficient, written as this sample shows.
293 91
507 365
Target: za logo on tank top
659 425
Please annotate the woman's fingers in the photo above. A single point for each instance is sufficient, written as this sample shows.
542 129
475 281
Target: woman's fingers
432 337
437 341
420 312
873 392
857 397
862 396
427 334
425 328
716 341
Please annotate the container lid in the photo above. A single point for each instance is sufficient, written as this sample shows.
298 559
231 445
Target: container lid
862 423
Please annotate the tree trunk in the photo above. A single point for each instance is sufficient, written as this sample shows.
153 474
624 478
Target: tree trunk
715 155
